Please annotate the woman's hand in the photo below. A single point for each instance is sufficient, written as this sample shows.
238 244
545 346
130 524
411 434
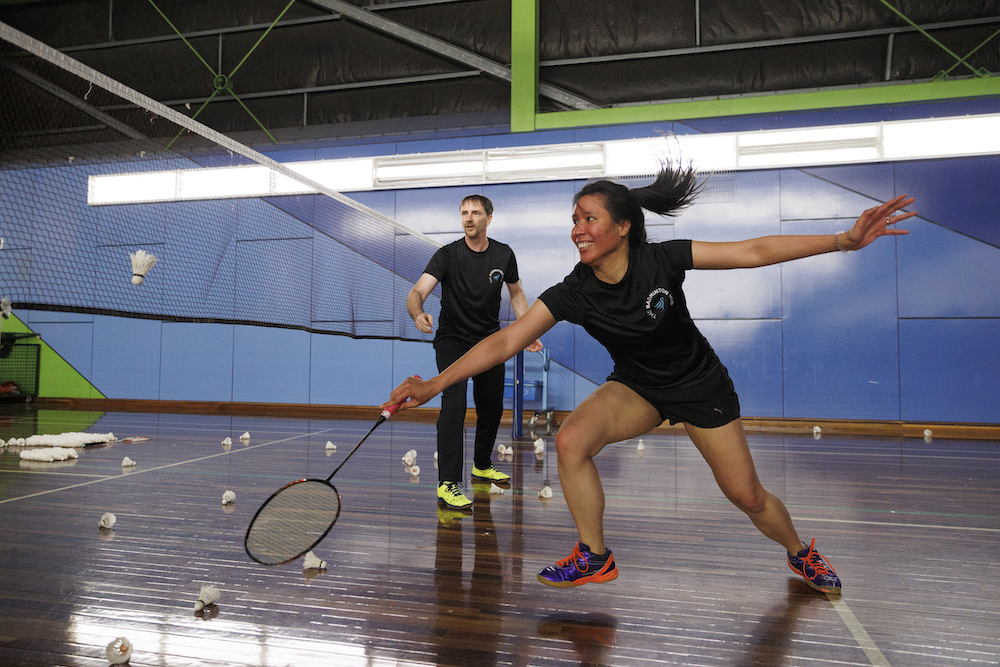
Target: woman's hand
412 392
875 222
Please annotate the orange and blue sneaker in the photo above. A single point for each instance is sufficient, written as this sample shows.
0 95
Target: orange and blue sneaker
579 568
490 474
815 569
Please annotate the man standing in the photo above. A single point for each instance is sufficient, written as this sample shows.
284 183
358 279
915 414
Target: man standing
471 271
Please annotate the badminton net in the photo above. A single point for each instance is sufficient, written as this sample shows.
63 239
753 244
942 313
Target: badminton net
317 261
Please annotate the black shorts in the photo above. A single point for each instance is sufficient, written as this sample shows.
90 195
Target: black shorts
712 404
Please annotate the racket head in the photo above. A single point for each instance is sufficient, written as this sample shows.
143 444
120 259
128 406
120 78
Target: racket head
292 521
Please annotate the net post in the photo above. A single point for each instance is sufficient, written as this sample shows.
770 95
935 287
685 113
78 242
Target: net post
517 428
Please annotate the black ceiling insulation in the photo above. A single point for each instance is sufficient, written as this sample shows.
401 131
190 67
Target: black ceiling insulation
318 69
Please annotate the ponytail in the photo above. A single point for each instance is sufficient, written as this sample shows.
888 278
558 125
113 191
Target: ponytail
674 189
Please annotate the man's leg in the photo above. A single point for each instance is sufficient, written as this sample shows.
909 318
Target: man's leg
451 452
487 391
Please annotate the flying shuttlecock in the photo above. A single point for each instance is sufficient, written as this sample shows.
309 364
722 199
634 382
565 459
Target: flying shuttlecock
142 262
495 489
118 651
332 447
227 441
107 520
209 595
228 497
546 492
245 437
5 308
127 462
311 562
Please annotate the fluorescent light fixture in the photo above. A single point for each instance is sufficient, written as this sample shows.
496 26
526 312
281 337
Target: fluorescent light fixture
340 175
941 137
428 170
766 149
545 162
809 146
132 188
224 183
710 152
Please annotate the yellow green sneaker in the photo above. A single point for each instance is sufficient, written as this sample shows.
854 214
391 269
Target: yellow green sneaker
450 493
490 474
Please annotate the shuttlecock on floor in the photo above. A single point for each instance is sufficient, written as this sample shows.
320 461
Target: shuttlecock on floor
209 595
546 492
245 437
127 462
107 520
48 454
928 433
228 497
311 562
118 651
640 446
435 456
817 429
331 446
142 262
5 308
495 489
227 441
539 446
414 470
410 457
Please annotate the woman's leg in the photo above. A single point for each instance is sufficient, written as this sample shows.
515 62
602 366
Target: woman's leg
611 414
726 450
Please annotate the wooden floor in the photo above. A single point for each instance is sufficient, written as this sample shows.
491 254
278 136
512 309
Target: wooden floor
912 527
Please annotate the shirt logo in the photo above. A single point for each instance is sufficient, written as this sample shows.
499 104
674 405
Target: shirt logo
496 276
657 302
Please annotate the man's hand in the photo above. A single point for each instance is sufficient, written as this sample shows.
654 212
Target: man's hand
424 322
536 345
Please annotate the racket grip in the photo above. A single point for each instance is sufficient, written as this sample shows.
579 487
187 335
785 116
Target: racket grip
392 409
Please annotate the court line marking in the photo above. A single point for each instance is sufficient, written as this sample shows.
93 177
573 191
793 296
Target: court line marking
900 525
864 640
163 467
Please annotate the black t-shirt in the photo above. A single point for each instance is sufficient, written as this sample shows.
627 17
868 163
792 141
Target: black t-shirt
470 288
643 321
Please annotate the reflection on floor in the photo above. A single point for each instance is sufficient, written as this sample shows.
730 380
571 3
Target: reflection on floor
911 526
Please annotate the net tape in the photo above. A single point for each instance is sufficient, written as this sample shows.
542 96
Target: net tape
318 262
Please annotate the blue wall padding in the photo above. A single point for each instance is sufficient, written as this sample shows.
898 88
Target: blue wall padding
905 329
948 370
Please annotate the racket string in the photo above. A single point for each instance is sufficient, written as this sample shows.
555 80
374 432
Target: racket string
293 521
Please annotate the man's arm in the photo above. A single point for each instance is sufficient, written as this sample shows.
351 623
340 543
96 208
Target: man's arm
415 302
519 302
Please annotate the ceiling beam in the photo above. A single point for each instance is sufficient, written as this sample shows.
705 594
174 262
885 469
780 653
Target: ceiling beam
75 101
445 49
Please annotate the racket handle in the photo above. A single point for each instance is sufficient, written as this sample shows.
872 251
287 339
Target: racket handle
391 410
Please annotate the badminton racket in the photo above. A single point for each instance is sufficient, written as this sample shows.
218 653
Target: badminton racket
298 515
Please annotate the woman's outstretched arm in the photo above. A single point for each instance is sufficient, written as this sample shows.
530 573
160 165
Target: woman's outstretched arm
489 352
765 250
